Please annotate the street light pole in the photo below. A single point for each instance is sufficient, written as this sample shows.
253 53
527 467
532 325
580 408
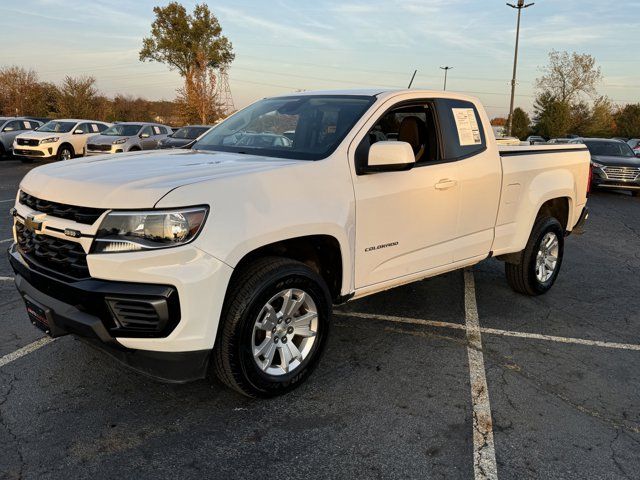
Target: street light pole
446 70
520 6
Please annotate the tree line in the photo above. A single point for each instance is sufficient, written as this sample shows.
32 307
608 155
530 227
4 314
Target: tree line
22 93
567 103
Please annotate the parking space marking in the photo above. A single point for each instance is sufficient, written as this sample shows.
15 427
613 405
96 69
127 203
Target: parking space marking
27 349
484 452
6 279
6 240
7 201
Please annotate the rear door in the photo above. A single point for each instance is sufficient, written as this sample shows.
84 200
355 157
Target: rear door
405 221
465 134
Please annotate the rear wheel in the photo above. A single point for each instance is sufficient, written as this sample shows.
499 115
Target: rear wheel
540 261
275 323
65 152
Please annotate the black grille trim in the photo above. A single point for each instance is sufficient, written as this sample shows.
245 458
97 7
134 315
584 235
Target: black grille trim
85 215
28 142
99 148
56 255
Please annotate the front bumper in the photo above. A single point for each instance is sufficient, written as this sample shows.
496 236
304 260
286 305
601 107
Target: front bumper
47 150
82 307
602 180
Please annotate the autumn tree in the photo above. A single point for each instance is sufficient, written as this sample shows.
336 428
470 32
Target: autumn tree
19 91
193 45
569 75
78 98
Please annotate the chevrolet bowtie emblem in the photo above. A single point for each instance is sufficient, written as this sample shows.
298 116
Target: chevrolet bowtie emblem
33 224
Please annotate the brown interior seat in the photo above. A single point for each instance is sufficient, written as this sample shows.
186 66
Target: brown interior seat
413 131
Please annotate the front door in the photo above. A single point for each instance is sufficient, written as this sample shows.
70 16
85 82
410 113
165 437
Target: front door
405 221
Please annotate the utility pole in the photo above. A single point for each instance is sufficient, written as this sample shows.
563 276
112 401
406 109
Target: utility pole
520 6
446 70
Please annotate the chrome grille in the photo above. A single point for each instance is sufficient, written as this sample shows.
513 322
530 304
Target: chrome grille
622 173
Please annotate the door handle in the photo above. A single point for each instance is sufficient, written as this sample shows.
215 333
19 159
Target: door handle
446 184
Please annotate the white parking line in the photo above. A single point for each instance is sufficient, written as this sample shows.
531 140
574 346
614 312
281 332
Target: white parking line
7 201
10 357
484 452
493 331
6 240
6 279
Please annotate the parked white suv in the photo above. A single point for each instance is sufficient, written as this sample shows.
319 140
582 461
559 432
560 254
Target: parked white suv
61 139
227 258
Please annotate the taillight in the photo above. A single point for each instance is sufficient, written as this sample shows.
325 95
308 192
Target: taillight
589 180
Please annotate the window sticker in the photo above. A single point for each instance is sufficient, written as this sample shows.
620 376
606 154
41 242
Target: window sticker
27 125
467 125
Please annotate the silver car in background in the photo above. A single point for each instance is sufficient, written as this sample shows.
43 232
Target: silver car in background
128 137
10 128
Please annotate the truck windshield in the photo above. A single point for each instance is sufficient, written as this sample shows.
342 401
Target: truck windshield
301 127
57 127
610 149
122 130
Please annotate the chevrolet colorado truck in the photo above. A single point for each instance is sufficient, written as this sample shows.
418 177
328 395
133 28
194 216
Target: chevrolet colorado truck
227 259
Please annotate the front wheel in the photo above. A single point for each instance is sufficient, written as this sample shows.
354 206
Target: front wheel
275 323
65 152
540 261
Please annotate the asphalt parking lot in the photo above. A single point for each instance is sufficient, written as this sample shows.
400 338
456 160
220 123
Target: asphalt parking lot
399 393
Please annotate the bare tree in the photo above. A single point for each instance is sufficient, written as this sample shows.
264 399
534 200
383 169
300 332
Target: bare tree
569 75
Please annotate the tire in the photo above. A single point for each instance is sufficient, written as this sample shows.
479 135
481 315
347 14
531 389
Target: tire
250 293
3 153
134 149
525 277
65 152
635 193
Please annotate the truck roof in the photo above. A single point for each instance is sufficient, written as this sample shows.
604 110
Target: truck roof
383 92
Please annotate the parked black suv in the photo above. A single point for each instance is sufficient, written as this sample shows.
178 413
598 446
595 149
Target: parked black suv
614 165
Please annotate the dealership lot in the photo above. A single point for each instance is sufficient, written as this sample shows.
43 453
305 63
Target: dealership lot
394 396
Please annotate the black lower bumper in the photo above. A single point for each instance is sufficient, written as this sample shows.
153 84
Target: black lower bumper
79 308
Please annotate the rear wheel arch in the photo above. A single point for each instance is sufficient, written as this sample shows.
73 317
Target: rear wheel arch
558 208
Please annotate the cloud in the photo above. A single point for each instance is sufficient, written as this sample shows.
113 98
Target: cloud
277 29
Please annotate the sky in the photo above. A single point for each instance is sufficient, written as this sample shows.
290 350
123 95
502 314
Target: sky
287 45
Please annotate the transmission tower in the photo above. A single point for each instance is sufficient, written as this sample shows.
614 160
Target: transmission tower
224 96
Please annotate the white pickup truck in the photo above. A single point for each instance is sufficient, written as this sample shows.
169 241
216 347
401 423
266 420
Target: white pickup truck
227 259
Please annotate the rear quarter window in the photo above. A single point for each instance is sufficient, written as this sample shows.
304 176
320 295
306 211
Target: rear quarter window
461 129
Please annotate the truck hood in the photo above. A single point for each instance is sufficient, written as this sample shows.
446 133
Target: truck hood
137 180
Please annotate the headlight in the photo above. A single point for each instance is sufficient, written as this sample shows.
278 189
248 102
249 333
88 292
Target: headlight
119 142
136 231
49 140
596 165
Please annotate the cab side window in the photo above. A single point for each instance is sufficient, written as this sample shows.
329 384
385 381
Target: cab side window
412 123
102 127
